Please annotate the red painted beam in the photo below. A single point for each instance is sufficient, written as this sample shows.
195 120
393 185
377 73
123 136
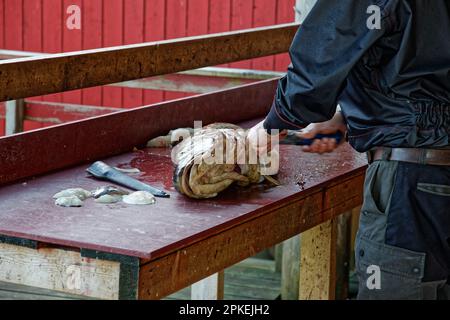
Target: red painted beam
44 150
22 78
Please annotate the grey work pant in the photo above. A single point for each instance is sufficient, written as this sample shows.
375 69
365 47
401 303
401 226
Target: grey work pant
403 242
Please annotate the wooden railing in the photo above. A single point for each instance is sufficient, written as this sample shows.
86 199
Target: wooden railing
35 76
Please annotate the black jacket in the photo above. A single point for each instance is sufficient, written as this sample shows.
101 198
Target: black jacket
392 83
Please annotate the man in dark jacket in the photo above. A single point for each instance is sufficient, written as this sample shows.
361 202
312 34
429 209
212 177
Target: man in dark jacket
391 78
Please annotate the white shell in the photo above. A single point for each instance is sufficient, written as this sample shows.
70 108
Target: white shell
109 199
72 201
140 198
74 192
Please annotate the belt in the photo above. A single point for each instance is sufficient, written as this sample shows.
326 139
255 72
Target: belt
436 157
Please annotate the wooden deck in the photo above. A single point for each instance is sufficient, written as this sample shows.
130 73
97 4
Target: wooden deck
252 279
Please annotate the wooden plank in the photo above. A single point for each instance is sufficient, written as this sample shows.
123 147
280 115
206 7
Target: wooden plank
133 33
92 39
318 262
197 20
72 41
256 264
290 273
185 83
197 17
155 28
11 291
63 72
342 255
248 102
113 36
285 14
222 250
32 25
13 15
173 223
241 18
250 279
219 17
2 24
248 74
176 21
210 288
2 126
264 15
60 270
278 257
129 271
14 116
13 54
59 112
29 125
52 34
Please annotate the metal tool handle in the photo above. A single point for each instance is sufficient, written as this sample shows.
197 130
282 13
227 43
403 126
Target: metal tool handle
293 139
103 171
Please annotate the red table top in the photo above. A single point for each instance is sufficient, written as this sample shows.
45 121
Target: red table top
27 209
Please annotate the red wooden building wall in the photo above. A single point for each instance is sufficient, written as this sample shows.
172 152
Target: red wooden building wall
40 25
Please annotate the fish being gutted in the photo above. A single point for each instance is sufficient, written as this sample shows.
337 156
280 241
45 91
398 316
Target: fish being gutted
213 159
108 190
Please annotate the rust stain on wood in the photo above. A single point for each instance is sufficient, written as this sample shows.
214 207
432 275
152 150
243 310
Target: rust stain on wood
35 76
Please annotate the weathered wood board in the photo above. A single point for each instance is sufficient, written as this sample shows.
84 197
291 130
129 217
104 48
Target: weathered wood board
59 270
318 262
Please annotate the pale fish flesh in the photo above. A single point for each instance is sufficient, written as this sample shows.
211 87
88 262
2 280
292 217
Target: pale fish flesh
73 192
109 190
71 201
171 139
108 199
128 170
139 198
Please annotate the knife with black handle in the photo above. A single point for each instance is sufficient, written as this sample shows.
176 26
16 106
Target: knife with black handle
101 170
293 138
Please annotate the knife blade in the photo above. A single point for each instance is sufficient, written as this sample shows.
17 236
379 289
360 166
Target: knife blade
101 170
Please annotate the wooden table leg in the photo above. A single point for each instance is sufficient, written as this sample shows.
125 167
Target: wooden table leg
211 288
290 272
343 253
15 113
318 262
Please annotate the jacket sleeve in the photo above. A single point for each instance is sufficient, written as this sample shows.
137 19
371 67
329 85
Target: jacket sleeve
332 39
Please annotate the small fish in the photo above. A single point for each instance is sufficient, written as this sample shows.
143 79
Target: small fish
108 199
72 201
108 190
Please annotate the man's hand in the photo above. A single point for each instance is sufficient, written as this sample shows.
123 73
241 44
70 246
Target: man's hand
260 141
324 145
